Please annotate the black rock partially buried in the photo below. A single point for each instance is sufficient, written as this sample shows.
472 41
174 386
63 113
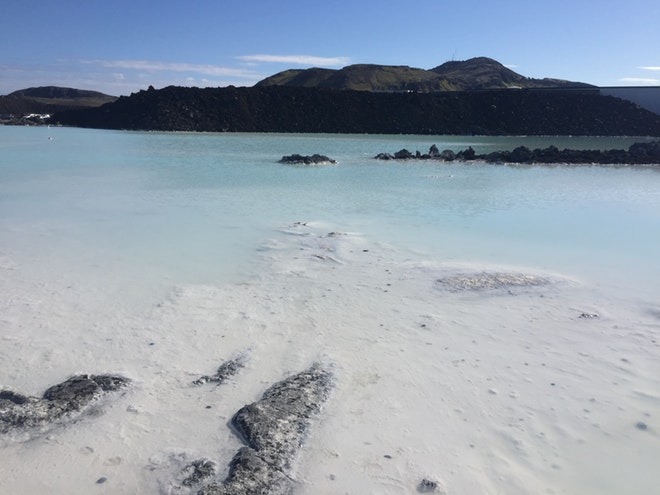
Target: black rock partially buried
60 401
274 428
225 371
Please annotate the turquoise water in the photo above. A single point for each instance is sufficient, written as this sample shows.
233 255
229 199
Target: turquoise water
194 207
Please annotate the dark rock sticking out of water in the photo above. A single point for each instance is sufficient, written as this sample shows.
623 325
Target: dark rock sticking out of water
636 154
225 371
18 411
314 159
273 429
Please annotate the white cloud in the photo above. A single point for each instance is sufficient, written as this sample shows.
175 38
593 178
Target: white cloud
650 67
644 81
156 66
296 59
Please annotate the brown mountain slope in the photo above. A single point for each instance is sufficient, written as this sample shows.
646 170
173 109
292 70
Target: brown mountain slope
486 73
474 74
49 99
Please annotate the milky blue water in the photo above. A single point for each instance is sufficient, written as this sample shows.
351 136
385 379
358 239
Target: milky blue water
159 255
155 208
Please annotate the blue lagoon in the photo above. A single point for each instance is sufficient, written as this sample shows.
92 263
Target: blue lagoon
491 328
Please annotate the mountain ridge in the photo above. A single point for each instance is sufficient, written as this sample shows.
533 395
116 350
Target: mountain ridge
50 99
478 73
458 97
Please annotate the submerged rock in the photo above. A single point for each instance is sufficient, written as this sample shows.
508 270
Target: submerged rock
490 281
19 411
274 429
314 159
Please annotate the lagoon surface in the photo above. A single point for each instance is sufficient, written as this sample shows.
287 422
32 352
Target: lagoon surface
160 255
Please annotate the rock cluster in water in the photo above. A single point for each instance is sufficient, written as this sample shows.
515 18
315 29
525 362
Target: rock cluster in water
273 429
314 159
636 154
18 411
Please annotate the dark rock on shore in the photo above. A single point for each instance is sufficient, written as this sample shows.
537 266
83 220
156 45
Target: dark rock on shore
427 486
637 154
225 371
274 429
314 159
63 400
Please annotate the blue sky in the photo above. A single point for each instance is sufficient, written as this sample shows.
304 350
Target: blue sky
119 46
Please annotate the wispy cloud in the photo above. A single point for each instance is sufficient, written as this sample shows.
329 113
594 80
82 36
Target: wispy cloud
124 76
650 67
296 59
156 66
644 81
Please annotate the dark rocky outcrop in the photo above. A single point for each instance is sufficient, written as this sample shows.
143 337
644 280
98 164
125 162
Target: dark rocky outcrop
60 401
314 159
273 429
225 371
647 153
314 110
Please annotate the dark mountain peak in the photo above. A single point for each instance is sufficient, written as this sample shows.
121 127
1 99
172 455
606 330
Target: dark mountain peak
54 92
48 99
487 73
300 78
362 77
475 62
481 73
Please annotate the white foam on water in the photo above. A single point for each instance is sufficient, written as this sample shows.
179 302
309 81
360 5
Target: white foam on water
501 387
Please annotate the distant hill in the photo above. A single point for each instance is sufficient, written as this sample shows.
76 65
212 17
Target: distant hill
49 99
474 74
